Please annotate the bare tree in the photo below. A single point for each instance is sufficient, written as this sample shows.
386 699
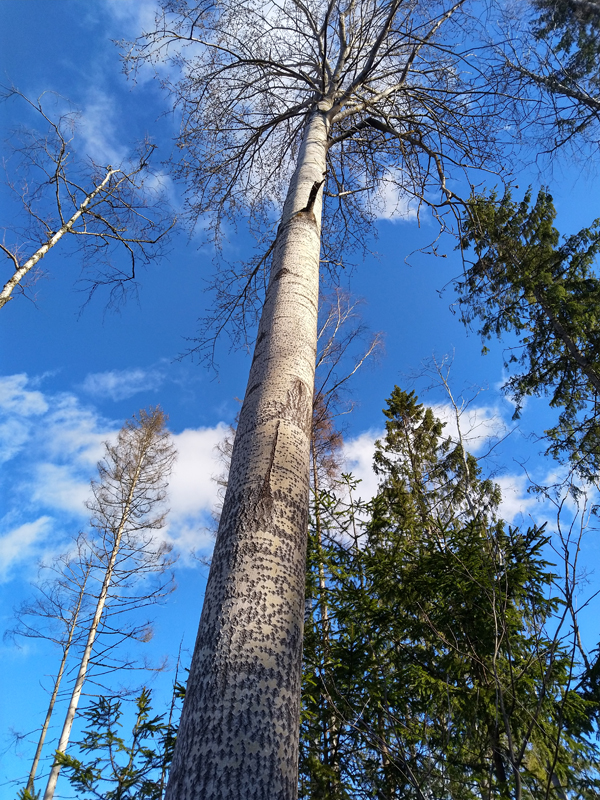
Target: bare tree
106 208
289 108
344 344
127 509
54 615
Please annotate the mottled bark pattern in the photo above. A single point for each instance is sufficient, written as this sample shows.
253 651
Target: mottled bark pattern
238 738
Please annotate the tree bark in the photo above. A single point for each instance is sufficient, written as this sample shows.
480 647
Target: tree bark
57 682
238 737
67 227
87 653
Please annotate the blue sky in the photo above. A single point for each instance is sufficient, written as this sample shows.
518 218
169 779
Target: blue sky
68 378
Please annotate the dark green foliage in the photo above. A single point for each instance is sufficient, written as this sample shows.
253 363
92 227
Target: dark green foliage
436 478
547 293
574 28
435 666
120 769
571 28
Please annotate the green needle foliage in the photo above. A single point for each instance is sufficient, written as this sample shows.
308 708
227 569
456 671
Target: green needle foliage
436 664
565 66
121 769
525 282
573 27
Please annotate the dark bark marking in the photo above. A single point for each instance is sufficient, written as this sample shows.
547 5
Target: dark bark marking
283 271
266 487
298 408
308 208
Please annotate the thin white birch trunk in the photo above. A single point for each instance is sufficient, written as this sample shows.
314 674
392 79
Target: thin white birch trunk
44 731
238 737
22 270
81 675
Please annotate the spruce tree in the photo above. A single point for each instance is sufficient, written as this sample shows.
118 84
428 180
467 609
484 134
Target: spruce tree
445 673
525 282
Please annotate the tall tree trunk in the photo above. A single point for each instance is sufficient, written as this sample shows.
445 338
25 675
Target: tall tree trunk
238 738
57 682
87 653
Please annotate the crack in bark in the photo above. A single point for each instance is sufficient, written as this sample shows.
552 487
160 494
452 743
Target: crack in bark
308 208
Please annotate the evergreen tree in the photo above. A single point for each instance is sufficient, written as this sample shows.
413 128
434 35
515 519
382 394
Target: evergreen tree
573 29
122 769
526 282
444 673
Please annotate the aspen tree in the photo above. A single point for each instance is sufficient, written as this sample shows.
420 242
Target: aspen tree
294 108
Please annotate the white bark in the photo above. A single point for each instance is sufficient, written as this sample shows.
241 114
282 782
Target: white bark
83 667
66 649
238 737
22 269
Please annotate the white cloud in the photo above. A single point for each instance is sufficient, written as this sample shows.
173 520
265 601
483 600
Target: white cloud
60 488
50 480
394 205
74 433
517 506
479 425
358 457
19 544
192 488
120 384
97 130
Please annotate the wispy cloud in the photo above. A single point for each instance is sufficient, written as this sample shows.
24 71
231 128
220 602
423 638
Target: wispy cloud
54 442
97 129
19 544
120 384
131 19
134 17
16 397
19 405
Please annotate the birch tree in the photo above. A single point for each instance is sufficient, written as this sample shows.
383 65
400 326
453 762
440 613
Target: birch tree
127 508
100 208
290 109
54 615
